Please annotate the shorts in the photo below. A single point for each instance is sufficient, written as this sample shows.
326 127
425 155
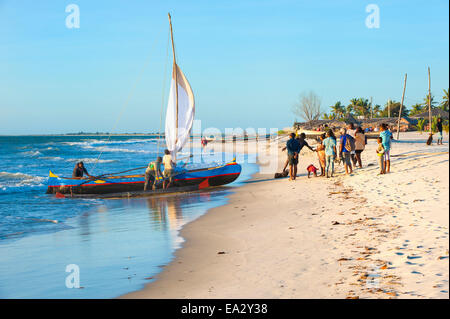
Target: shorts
347 158
168 173
439 136
387 156
359 151
292 160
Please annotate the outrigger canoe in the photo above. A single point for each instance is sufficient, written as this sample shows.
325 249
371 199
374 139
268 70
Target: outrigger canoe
187 180
179 121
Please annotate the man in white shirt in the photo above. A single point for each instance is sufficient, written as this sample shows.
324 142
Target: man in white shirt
168 168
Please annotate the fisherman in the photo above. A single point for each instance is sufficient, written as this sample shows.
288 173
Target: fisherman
301 139
293 149
169 165
152 173
79 170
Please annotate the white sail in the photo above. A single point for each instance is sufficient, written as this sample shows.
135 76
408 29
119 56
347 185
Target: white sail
179 116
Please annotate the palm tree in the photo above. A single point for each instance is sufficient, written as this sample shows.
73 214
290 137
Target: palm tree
417 109
433 102
444 103
362 107
377 110
352 106
337 110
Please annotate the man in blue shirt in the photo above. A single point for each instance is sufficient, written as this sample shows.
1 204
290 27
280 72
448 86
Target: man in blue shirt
386 136
293 148
302 143
344 153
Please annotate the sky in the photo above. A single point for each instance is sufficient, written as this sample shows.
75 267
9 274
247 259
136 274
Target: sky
247 61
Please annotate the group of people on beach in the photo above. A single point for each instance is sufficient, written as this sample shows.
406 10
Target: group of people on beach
352 142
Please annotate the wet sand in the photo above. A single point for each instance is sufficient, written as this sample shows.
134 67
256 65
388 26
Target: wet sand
359 236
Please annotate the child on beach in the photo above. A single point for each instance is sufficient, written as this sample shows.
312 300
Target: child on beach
386 136
380 154
312 169
320 149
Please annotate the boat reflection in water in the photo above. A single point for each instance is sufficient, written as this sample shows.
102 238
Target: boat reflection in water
166 213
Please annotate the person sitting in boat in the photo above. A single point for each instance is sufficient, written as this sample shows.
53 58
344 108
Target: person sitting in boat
79 170
169 165
153 172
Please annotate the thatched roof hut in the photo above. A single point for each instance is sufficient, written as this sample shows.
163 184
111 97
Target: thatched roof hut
434 112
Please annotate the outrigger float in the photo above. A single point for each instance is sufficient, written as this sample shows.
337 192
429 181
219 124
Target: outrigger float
179 120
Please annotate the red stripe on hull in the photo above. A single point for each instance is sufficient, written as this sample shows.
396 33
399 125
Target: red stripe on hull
140 182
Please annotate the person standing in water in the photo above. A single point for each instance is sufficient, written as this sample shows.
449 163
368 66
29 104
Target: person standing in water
152 173
169 165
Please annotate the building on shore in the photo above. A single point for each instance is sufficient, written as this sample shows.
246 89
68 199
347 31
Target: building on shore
434 112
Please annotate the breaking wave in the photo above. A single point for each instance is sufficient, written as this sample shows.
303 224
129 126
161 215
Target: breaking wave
8 180
90 160
32 153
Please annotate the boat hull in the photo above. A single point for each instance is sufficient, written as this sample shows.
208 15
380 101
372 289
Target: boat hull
193 179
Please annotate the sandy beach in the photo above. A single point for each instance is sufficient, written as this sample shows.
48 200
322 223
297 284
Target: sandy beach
358 236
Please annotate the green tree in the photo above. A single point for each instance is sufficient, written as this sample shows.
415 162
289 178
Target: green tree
433 102
361 107
417 109
421 125
377 110
337 110
351 108
444 103
395 109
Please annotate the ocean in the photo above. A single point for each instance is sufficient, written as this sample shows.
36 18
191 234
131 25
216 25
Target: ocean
117 246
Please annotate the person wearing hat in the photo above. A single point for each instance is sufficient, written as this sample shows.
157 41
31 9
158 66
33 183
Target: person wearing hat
152 173
79 171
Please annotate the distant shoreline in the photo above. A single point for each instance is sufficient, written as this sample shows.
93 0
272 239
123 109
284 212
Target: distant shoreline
89 134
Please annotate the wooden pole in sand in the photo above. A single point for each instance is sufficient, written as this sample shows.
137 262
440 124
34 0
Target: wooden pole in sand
429 100
401 107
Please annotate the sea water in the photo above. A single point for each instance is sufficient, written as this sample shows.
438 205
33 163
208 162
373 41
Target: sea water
116 246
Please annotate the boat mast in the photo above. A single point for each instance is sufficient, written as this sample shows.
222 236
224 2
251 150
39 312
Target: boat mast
175 79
